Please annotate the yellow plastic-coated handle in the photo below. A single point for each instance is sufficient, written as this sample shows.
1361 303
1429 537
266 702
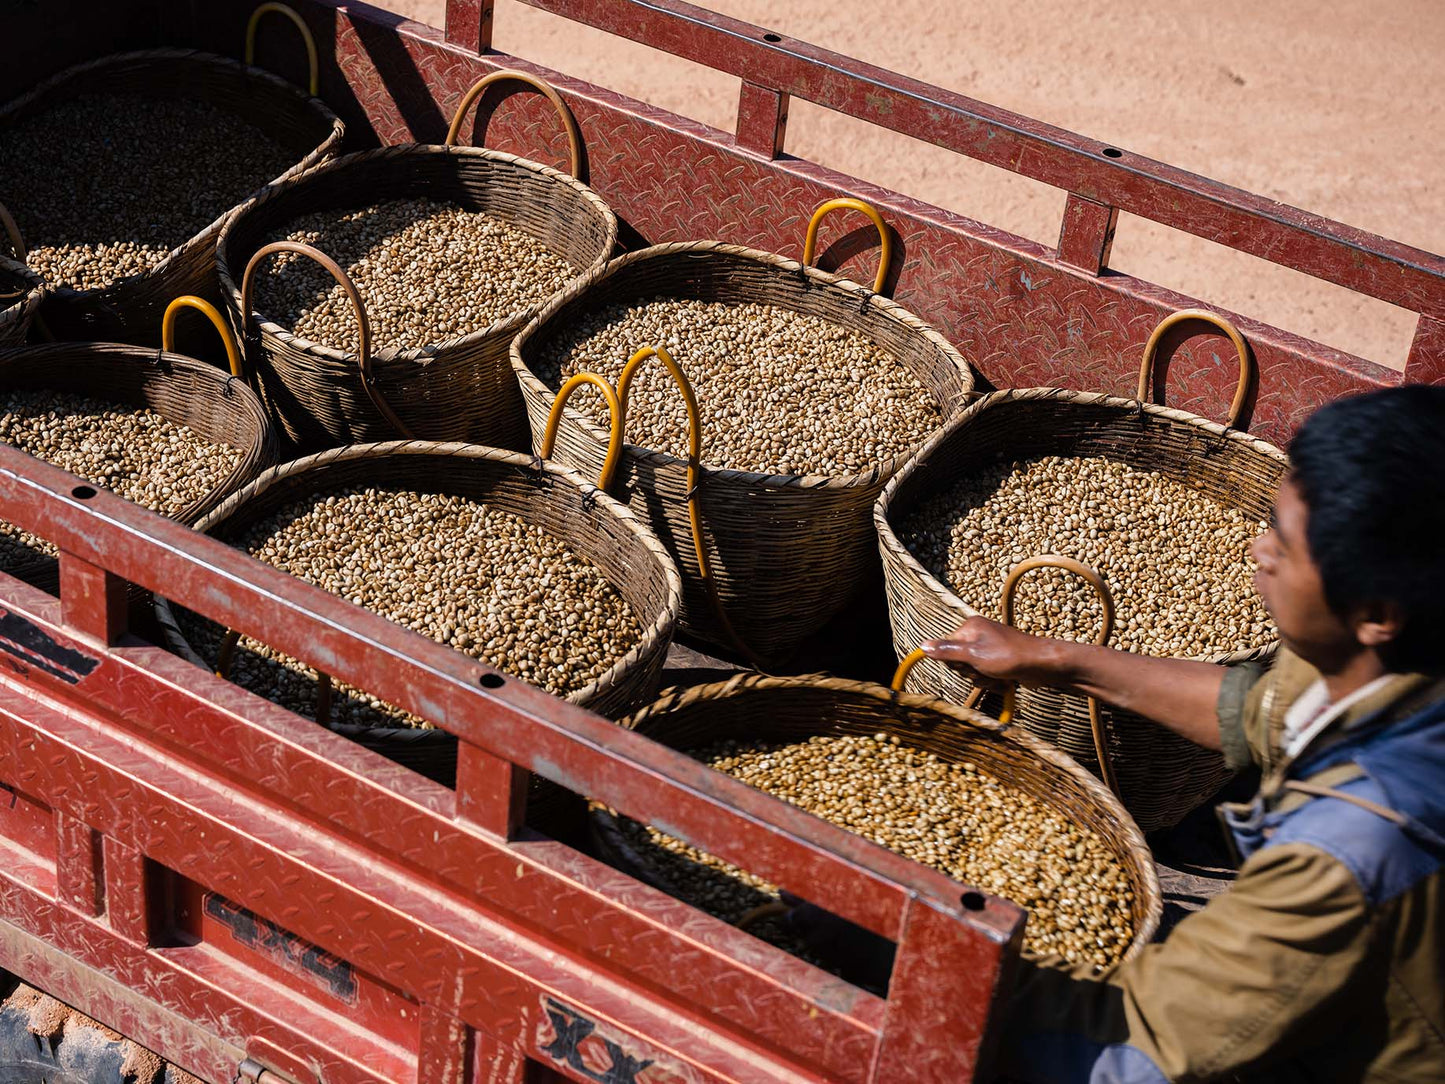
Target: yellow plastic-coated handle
12 231
314 86
363 326
917 655
912 659
1246 362
614 438
223 671
206 309
694 477
569 122
754 915
1106 629
885 254
1068 564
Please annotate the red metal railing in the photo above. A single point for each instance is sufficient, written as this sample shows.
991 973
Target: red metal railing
144 786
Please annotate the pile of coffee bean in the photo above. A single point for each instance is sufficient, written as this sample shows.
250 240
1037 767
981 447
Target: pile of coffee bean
457 570
427 272
1176 561
955 817
780 392
134 452
106 186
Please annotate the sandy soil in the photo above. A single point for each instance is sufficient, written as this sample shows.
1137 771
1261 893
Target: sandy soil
1329 105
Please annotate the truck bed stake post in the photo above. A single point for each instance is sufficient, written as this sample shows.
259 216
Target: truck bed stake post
469 24
491 792
445 1053
78 864
92 600
762 120
1426 362
1086 237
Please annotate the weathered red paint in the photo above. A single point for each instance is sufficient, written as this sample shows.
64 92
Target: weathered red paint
418 888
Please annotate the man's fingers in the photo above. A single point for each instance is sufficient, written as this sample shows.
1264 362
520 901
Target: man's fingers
948 650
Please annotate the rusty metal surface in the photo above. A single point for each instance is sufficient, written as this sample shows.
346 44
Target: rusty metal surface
186 780
1023 313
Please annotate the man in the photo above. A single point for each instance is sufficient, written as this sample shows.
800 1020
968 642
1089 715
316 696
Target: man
1325 961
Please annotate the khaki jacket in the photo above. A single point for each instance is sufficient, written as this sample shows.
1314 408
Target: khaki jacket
1325 960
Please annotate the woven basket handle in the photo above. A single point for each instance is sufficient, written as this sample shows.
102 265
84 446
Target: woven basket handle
885 255
363 327
206 309
323 683
614 437
12 231
1246 361
17 244
569 122
1106 629
917 655
314 85
694 479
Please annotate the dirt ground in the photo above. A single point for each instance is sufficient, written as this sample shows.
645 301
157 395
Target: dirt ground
1330 105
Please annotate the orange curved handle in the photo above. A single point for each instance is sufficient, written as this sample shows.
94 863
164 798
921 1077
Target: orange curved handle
206 309
1246 361
1106 629
569 122
885 254
614 437
323 681
12 231
694 477
314 85
363 327
917 655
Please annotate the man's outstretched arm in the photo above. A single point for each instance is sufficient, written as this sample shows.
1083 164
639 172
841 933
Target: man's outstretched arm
1177 693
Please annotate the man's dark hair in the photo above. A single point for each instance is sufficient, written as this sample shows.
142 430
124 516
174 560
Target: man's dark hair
1371 470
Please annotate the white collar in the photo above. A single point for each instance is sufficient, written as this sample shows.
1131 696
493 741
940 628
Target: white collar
1312 712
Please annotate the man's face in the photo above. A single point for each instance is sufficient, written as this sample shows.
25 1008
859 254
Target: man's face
1289 582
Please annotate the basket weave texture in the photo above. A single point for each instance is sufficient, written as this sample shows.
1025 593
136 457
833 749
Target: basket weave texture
130 309
555 498
460 389
183 390
787 551
21 292
754 709
1161 776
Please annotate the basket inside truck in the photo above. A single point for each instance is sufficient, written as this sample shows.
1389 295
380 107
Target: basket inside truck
250 896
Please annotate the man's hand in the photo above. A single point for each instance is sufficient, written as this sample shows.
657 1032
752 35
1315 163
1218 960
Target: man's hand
998 652
1182 694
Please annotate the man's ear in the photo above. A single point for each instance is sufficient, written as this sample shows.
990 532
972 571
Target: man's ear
1378 623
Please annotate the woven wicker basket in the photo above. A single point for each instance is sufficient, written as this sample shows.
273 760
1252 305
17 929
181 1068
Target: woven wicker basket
1160 775
554 498
787 551
458 389
21 292
180 389
130 308
749 708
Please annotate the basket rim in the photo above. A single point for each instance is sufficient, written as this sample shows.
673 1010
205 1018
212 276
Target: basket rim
896 550
259 455
782 264
16 107
425 354
1131 839
656 634
32 298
